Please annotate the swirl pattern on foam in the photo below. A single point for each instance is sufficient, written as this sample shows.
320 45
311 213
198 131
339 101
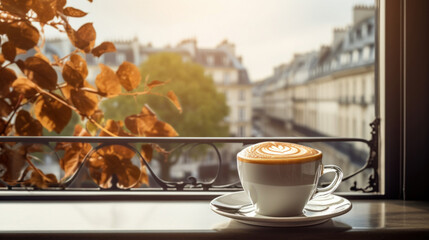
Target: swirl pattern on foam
278 152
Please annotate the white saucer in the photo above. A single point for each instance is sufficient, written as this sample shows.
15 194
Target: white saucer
317 210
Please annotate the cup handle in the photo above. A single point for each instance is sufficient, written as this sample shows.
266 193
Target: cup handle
333 185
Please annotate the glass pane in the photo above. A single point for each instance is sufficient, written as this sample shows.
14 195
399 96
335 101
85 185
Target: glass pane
260 68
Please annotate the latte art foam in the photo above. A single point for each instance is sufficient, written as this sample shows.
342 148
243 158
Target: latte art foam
278 152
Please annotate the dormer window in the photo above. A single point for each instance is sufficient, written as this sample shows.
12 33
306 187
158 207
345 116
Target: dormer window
369 29
359 33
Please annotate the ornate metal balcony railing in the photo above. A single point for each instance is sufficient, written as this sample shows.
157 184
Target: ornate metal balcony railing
190 143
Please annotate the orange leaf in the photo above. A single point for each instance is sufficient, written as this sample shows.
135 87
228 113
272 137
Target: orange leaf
129 75
147 124
114 127
41 72
73 12
25 87
75 71
19 7
173 98
14 160
25 125
40 181
147 151
107 82
85 37
84 101
106 163
7 76
5 109
74 152
23 35
9 51
52 114
45 9
155 83
104 47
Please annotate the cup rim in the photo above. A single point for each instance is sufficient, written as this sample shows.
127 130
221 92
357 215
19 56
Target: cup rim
271 161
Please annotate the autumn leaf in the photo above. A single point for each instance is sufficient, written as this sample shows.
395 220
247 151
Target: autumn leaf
98 117
103 48
106 163
5 109
25 125
73 12
147 151
85 37
84 101
9 51
13 160
107 82
25 87
23 35
61 4
155 83
41 72
129 75
173 98
7 76
74 153
75 71
52 114
19 7
115 159
115 127
45 9
147 124
40 181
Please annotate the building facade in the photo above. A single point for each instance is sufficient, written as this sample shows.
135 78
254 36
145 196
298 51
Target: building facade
329 92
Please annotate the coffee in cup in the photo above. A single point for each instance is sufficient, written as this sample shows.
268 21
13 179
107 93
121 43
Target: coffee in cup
280 177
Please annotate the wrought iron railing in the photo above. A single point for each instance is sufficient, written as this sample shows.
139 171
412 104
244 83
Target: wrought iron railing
190 143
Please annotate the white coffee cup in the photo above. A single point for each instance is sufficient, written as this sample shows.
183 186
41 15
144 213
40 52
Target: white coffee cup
280 178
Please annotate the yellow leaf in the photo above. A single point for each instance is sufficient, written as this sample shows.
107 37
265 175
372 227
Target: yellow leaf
173 98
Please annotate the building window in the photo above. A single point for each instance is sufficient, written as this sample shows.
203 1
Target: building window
369 29
242 114
241 131
358 34
226 78
242 95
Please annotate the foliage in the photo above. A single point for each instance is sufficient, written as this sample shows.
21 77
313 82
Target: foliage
35 88
203 106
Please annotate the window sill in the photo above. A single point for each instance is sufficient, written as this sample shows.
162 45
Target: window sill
193 219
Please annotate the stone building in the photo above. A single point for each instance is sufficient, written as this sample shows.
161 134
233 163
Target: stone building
329 92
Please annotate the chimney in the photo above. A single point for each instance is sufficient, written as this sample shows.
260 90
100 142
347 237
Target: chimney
339 34
227 46
361 12
189 45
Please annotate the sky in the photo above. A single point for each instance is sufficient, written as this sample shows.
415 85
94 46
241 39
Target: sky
266 33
